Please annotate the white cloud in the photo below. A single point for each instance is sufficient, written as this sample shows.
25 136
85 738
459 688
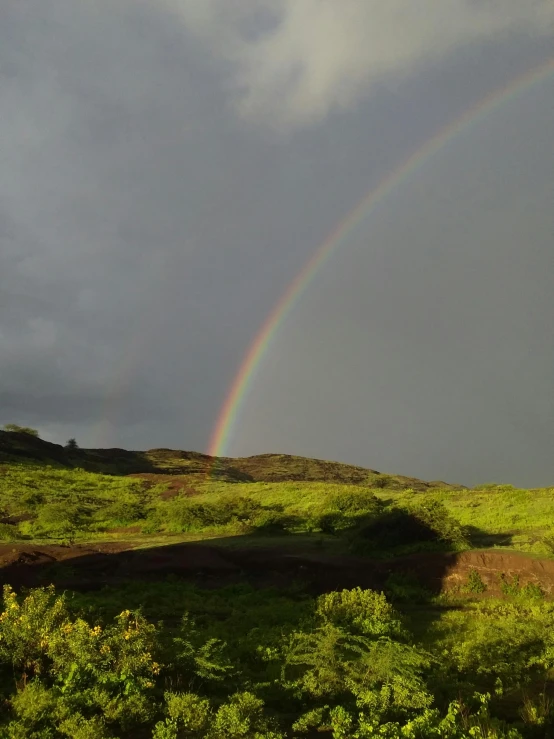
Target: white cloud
309 57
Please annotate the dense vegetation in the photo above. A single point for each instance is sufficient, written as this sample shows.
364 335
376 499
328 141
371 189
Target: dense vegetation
56 503
168 659
48 503
266 664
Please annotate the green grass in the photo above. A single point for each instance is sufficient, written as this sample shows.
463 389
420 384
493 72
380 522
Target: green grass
521 520
35 496
45 495
49 502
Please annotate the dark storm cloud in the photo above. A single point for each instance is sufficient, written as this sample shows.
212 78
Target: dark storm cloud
102 188
150 215
428 346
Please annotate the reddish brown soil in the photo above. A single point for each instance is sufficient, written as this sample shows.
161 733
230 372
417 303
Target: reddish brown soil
174 485
89 567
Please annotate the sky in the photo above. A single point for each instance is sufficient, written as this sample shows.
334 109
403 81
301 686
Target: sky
168 169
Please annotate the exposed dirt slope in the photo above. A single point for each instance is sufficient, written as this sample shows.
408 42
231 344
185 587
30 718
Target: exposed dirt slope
90 567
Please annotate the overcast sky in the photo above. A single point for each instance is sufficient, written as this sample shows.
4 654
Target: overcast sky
167 169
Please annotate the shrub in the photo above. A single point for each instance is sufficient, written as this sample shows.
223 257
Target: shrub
425 526
185 515
381 481
475 583
9 532
14 428
242 716
187 712
330 523
271 522
354 657
359 611
401 587
434 514
59 520
340 511
352 502
394 528
124 511
509 587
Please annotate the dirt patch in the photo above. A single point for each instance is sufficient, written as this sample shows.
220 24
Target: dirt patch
174 485
492 564
23 564
87 567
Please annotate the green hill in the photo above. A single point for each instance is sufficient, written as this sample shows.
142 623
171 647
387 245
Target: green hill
52 493
168 594
21 447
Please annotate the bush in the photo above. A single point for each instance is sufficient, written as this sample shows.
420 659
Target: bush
434 514
9 532
340 511
330 523
404 588
359 611
353 502
271 522
341 665
124 511
59 520
14 428
425 526
183 514
354 658
475 583
381 481
394 528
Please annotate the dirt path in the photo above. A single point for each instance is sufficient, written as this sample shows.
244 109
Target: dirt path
92 566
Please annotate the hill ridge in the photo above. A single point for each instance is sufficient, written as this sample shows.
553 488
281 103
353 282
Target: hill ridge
267 467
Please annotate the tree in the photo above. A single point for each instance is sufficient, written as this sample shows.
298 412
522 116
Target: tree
71 444
14 428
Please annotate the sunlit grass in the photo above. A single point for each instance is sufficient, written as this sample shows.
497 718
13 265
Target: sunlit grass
496 515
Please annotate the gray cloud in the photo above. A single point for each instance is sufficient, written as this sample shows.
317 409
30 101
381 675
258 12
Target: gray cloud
312 57
147 229
430 331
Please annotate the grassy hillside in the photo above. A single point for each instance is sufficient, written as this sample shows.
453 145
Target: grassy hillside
268 597
26 449
48 492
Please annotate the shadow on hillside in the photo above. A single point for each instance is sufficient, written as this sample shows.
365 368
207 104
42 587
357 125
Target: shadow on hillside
228 562
260 560
24 447
484 539
156 461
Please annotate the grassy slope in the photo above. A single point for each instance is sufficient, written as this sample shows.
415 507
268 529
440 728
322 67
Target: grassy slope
35 474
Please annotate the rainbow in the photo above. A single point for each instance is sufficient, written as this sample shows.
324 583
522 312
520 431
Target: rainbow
230 410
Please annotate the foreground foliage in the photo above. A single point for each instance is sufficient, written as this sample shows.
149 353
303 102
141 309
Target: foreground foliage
269 665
